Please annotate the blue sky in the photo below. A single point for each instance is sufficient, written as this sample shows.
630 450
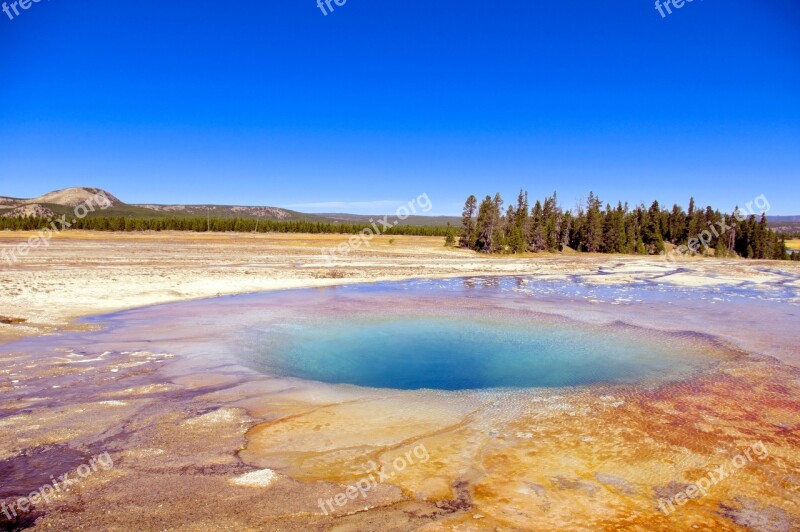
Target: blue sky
273 103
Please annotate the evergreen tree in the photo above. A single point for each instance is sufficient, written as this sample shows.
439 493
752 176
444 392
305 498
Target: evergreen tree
566 227
486 225
468 233
550 222
652 235
499 240
692 229
594 225
537 242
676 225
613 230
522 219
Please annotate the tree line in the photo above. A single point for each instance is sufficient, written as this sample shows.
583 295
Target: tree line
520 228
203 224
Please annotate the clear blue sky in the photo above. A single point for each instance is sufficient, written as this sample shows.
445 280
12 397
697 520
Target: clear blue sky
273 103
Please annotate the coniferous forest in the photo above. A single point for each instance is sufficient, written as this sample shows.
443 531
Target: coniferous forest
203 224
489 228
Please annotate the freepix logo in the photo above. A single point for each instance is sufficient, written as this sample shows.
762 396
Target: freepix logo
665 8
12 254
12 10
321 4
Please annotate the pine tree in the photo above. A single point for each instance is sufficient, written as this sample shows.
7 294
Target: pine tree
499 241
594 224
676 225
763 246
693 227
513 235
537 239
566 227
652 235
550 219
485 226
732 223
468 234
522 219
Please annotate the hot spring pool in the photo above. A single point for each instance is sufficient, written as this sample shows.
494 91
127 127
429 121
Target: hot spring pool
410 351
457 334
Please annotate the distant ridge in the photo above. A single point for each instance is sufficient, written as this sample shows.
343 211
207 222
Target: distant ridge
10 201
242 211
64 201
29 209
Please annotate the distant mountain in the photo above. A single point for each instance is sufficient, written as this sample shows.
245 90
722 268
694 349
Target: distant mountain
72 197
785 228
64 201
784 225
68 197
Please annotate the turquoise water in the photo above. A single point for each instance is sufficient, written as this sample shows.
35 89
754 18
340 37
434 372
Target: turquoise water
464 352
457 334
